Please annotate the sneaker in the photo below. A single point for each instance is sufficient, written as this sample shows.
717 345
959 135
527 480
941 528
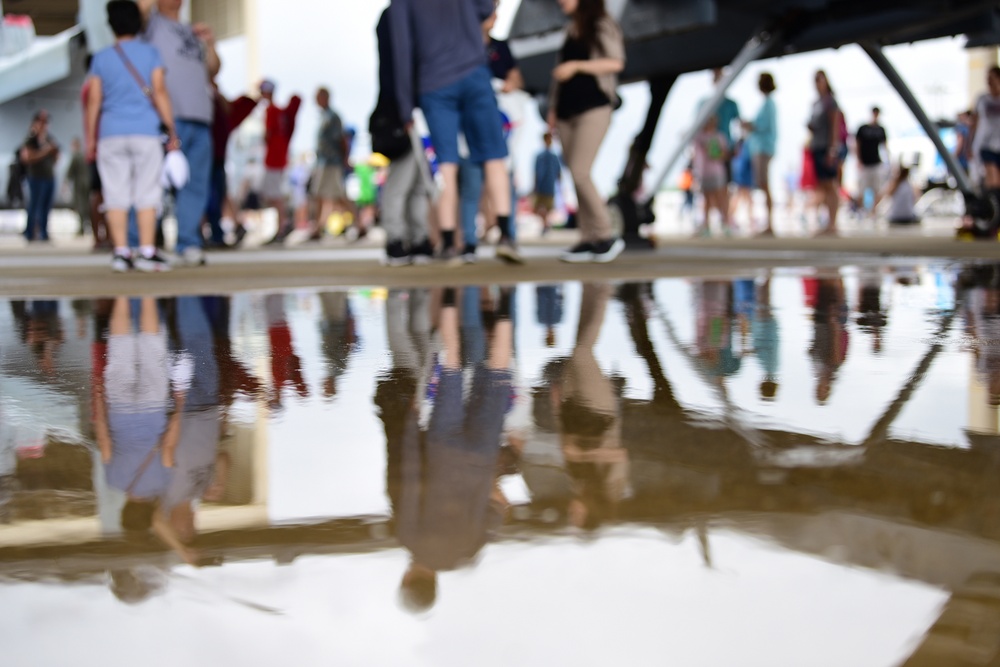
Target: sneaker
191 256
155 264
581 253
507 252
469 254
422 253
297 237
607 250
450 257
121 264
280 237
396 255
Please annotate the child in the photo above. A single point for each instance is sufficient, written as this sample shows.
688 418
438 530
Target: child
127 103
902 198
710 156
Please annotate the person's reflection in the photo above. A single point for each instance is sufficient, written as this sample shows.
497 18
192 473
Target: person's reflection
871 314
830 335
41 330
338 335
197 452
714 328
286 368
588 415
549 310
983 327
765 334
135 430
445 499
234 376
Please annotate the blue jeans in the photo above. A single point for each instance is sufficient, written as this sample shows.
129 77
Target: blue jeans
196 339
191 200
470 190
40 194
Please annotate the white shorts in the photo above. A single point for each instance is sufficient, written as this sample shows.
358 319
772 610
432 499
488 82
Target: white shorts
130 169
870 178
137 374
273 185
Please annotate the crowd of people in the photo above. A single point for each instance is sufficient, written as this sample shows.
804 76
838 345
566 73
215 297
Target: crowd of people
153 93
726 167
155 121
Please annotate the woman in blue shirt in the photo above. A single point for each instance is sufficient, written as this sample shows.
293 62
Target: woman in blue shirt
762 140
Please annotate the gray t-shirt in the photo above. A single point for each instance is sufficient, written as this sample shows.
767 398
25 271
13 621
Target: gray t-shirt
184 60
819 122
329 144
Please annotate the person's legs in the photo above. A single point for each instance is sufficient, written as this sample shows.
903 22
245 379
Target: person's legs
588 132
196 142
470 190
217 195
442 112
34 197
762 168
48 191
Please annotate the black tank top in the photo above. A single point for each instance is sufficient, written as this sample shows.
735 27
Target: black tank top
581 93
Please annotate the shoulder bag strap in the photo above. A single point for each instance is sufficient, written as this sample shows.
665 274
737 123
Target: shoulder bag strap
146 90
142 470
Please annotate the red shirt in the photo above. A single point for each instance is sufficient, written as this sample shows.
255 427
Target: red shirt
227 118
279 125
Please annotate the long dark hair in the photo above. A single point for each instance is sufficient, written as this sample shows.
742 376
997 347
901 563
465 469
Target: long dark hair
585 19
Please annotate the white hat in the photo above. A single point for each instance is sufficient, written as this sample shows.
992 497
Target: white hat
176 171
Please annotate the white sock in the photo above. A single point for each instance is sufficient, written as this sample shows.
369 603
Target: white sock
147 251
123 251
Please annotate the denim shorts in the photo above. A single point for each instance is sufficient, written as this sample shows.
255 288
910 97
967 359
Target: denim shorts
824 170
989 157
470 106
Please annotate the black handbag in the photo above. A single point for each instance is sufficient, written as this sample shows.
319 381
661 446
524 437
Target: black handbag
389 136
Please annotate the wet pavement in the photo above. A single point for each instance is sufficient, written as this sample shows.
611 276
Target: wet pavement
766 466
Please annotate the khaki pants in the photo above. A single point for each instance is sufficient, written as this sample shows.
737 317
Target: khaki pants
581 138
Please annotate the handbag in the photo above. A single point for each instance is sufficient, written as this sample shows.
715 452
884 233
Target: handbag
388 133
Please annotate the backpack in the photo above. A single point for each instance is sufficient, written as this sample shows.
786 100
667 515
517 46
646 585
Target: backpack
389 135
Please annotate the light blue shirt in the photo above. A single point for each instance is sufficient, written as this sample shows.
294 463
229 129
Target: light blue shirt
764 137
125 109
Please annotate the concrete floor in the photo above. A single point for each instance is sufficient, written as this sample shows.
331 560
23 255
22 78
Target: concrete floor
70 270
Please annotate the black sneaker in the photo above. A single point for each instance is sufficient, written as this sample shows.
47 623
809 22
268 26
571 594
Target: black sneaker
469 254
422 253
155 264
581 253
121 264
396 254
607 250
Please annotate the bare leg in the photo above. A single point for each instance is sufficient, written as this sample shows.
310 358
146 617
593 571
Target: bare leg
447 208
497 187
117 222
146 220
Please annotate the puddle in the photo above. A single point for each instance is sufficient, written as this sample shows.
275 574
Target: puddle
797 467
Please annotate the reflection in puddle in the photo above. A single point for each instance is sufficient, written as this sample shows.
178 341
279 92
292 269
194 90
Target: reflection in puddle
810 451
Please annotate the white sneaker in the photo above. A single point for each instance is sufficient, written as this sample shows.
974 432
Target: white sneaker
297 237
155 264
191 256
